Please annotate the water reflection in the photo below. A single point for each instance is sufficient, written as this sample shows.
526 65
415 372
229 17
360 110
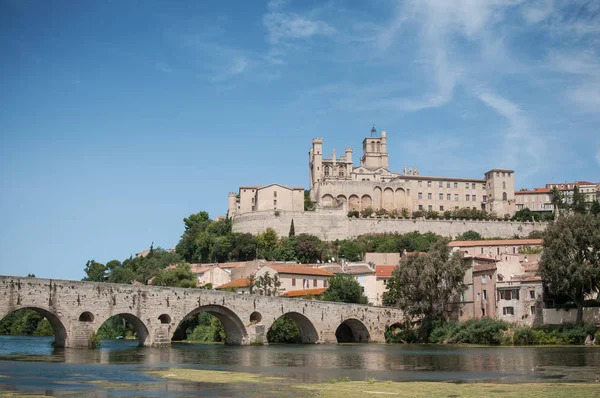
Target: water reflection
324 362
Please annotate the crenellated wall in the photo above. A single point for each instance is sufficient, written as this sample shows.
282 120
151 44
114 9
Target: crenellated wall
335 224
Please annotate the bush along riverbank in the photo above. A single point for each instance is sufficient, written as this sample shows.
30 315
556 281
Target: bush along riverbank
492 332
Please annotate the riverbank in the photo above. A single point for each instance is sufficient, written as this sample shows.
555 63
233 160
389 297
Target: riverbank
259 385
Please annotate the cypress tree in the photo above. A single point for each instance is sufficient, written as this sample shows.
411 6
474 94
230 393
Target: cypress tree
292 230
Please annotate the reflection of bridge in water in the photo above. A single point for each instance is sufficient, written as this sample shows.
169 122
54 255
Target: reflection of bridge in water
76 310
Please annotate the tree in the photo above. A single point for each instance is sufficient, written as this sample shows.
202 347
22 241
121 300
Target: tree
292 232
424 286
344 288
578 204
308 248
570 263
470 235
267 244
95 271
179 276
557 200
595 209
350 251
265 285
308 204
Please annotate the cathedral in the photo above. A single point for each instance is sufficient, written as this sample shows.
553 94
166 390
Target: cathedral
336 183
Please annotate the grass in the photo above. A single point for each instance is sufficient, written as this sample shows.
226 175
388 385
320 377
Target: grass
343 387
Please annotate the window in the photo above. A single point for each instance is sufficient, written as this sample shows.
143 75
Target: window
503 185
408 191
484 294
468 197
275 202
448 196
430 207
456 185
429 184
473 198
293 281
508 311
372 146
326 170
514 250
467 185
456 196
482 250
420 195
441 184
429 196
483 279
504 196
484 200
274 194
314 283
509 294
441 208
448 184
341 172
441 196
420 207
420 183
474 186
532 310
532 294
325 283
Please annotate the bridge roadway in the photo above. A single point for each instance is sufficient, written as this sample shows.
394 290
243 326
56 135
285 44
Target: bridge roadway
77 309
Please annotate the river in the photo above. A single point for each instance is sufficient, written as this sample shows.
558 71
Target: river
30 365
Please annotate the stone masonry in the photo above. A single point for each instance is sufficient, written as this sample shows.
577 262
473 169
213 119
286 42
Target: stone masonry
76 310
330 225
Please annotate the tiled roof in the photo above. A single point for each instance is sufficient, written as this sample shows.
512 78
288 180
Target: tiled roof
481 258
304 292
335 269
536 190
359 269
242 282
500 242
299 270
530 267
232 264
384 271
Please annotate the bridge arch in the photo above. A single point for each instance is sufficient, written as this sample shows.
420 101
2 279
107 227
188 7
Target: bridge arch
140 328
58 327
307 329
233 325
352 330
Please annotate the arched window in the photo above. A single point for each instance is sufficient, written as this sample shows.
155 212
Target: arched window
378 146
326 171
504 196
372 146
503 185
341 172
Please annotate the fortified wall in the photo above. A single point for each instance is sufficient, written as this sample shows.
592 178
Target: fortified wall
330 225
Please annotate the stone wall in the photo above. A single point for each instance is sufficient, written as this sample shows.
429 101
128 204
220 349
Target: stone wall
76 310
335 224
554 316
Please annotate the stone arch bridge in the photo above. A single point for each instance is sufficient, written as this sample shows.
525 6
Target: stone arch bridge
76 310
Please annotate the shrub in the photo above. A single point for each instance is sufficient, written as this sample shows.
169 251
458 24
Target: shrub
475 331
524 336
432 214
381 212
418 214
404 212
447 214
366 212
353 213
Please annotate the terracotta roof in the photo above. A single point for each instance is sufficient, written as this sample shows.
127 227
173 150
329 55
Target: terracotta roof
304 292
535 190
242 282
500 242
299 270
530 267
482 258
335 269
384 271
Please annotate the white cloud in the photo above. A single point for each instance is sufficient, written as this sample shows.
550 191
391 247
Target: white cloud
281 26
537 11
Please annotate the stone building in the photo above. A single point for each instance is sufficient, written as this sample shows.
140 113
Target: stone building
335 182
497 249
296 277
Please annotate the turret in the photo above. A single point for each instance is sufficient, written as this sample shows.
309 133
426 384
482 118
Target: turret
231 204
316 166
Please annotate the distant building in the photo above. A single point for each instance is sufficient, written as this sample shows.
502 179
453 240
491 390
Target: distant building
296 277
494 248
240 286
478 300
382 274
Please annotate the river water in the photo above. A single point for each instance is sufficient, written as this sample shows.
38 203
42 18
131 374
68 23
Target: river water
31 365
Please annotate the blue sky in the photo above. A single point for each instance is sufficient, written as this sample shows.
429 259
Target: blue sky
120 118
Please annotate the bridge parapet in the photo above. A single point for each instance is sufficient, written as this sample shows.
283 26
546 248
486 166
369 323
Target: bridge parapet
76 310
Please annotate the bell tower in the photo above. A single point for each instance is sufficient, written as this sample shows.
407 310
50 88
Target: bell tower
375 151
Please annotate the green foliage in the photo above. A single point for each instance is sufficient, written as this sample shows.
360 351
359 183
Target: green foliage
95 271
94 340
528 215
424 286
553 334
308 248
366 212
344 288
284 330
354 213
536 235
570 263
179 276
201 327
595 208
529 250
309 205
25 322
578 201
268 242
114 327
350 251
265 285
470 235
475 331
